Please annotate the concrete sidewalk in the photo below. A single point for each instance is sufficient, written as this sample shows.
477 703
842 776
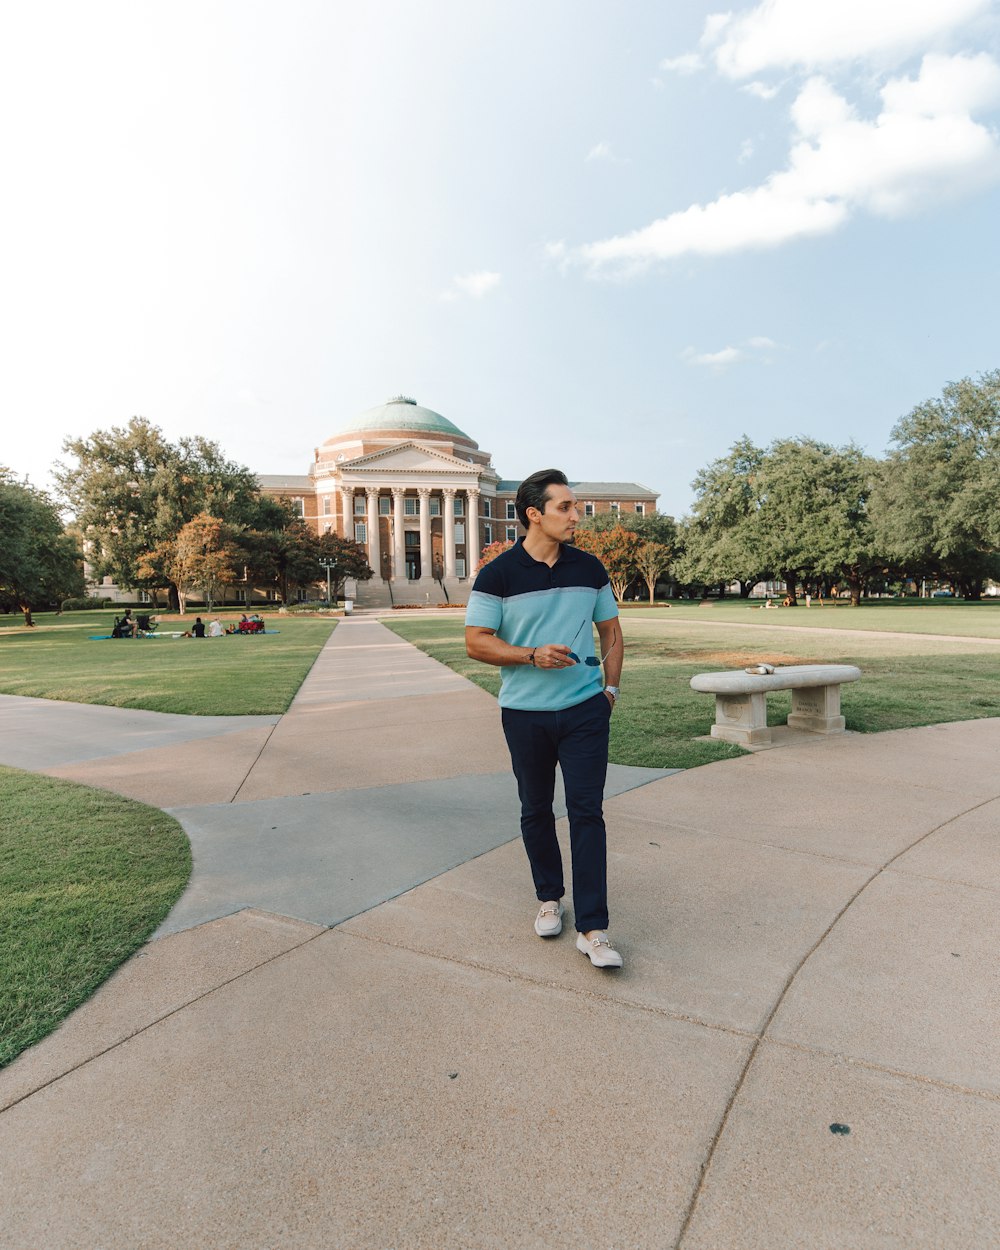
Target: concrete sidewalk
347 1034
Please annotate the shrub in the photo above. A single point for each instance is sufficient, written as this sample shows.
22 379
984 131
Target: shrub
81 605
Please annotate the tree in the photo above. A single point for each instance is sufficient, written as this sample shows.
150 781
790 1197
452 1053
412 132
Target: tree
651 560
491 552
202 557
720 539
132 491
937 505
39 562
345 559
617 549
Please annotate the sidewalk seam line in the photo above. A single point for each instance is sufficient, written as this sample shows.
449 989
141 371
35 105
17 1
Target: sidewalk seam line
76 1067
870 1066
763 1036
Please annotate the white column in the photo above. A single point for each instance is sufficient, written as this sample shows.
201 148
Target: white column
347 508
425 531
399 537
373 552
449 531
472 548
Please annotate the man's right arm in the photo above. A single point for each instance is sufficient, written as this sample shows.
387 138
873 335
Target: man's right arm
484 645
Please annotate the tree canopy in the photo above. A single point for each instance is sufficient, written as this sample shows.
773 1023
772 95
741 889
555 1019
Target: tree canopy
39 562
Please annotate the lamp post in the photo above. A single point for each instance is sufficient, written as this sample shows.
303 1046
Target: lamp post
328 565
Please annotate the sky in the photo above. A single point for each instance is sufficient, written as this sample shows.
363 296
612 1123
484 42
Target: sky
610 238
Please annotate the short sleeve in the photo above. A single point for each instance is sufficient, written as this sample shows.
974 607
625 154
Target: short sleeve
605 608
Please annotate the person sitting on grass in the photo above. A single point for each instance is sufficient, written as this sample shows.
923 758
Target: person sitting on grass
198 628
215 629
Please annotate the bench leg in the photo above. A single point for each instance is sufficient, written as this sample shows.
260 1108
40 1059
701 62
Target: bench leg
817 709
741 718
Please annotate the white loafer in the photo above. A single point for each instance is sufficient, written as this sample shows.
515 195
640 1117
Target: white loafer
599 951
548 922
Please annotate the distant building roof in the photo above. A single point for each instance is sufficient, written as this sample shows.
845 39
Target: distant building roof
595 490
285 481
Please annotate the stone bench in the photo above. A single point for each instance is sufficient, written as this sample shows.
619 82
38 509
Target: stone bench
740 700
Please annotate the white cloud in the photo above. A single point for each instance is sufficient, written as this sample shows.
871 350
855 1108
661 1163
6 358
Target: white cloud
474 285
716 360
761 90
687 63
923 147
604 152
727 356
813 33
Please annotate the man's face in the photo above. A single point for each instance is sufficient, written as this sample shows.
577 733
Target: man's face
559 520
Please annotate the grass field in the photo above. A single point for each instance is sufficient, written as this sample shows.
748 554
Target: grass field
906 681
230 676
85 877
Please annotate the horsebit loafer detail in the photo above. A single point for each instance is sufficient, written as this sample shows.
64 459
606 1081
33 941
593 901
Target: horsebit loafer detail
548 922
599 951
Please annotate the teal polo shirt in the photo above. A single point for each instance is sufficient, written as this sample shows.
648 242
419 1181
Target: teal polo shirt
529 604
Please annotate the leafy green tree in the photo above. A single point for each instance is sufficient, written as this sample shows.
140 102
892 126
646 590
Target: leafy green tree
936 508
617 548
132 491
345 558
813 520
720 540
39 562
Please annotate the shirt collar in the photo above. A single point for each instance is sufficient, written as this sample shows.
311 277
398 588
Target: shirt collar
566 554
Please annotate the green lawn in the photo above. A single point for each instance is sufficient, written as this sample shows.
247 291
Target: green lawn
230 676
906 681
85 877
908 616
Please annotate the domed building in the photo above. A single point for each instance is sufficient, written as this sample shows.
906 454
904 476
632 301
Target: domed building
421 498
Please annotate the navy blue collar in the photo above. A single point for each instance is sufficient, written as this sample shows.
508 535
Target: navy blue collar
566 554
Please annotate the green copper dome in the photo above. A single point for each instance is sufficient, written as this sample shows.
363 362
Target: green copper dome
403 413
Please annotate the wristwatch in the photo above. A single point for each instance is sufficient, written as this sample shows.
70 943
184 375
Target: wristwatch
613 691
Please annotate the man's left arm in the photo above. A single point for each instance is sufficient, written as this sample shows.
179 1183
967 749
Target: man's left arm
613 649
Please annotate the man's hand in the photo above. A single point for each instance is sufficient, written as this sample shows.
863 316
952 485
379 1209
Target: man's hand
553 655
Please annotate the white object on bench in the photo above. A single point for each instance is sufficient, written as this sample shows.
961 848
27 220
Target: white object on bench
740 700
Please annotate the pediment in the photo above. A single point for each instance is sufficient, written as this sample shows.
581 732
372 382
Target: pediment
407 458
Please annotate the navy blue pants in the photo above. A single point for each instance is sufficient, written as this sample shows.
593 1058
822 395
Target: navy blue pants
577 739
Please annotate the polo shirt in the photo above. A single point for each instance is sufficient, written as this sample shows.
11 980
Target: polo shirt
529 604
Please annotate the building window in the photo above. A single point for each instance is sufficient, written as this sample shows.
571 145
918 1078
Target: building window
384 504
459 567
459 531
411 540
327 508
435 503
360 532
615 507
588 508
459 506
511 534
299 506
487 534
511 510
641 509
487 507
359 505
411 506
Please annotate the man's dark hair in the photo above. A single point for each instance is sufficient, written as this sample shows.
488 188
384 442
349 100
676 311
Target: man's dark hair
534 491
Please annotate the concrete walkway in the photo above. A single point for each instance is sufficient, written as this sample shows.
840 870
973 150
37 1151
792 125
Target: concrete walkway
347 1035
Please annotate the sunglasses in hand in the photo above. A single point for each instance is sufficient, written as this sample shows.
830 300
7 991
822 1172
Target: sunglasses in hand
592 661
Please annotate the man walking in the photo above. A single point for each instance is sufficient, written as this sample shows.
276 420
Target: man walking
532 612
